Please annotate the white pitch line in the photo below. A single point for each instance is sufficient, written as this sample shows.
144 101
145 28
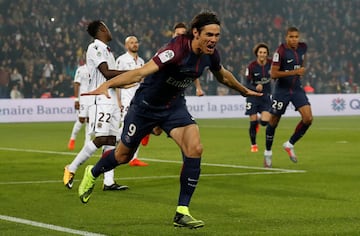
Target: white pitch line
266 171
159 160
78 232
48 226
158 177
249 173
37 151
229 166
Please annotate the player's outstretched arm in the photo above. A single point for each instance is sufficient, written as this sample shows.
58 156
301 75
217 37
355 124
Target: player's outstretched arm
101 90
126 79
227 78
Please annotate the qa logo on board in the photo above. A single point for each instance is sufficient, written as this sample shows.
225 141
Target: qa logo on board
338 104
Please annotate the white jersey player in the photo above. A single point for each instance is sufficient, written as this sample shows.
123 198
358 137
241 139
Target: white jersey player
81 85
129 61
104 113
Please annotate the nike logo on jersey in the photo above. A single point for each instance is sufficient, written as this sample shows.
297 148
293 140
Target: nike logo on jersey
290 60
256 74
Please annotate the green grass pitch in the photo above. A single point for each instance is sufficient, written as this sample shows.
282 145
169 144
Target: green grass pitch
235 196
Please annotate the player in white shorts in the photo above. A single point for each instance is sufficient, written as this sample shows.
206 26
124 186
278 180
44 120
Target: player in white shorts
104 113
129 61
81 85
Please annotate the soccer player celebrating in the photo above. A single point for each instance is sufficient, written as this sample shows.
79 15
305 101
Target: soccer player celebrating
160 101
180 29
287 68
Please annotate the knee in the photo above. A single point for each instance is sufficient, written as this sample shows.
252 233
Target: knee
196 150
273 124
199 149
193 150
105 140
308 120
274 121
124 154
123 158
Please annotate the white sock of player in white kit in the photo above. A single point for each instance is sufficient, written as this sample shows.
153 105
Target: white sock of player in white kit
108 175
76 128
86 152
87 134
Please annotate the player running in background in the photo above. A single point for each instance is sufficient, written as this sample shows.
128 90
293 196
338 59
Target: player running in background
160 101
129 61
258 79
81 85
287 68
104 113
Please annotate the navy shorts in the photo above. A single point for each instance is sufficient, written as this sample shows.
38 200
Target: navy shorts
141 119
256 105
281 99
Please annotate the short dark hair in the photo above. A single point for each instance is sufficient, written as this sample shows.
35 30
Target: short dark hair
179 25
260 45
203 19
292 29
93 27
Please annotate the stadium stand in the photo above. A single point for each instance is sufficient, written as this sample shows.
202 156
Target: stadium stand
34 32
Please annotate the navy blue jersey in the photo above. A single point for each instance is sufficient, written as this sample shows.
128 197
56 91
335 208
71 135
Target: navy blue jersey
178 68
160 101
289 59
288 89
259 74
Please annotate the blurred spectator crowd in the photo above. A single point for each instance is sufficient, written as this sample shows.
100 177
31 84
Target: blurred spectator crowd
42 41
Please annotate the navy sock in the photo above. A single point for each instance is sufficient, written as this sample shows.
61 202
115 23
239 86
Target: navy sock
189 177
300 130
270 132
107 162
252 131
